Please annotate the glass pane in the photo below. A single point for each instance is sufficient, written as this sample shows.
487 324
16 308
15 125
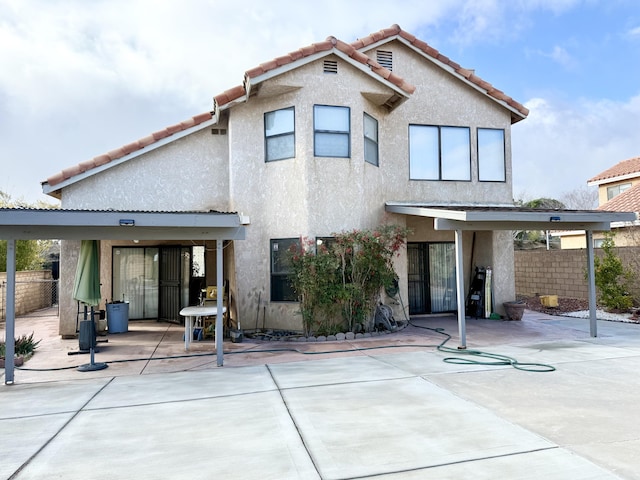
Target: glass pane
332 145
442 277
370 151
491 164
280 147
371 128
135 280
151 282
197 262
278 122
456 153
423 153
332 119
280 261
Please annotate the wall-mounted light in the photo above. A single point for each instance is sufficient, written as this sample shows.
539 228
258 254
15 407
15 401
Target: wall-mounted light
124 222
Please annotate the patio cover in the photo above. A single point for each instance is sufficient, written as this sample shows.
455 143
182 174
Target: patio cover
458 217
35 224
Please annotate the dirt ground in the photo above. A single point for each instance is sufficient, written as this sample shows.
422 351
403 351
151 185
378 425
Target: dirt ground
565 305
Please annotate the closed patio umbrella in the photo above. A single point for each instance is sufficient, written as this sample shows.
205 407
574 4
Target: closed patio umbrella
86 289
86 286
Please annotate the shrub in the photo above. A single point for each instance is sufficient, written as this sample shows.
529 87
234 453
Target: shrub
24 345
339 285
612 279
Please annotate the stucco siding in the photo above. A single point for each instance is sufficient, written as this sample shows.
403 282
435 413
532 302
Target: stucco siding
188 174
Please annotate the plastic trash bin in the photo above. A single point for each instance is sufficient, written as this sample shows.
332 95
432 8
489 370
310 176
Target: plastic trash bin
118 317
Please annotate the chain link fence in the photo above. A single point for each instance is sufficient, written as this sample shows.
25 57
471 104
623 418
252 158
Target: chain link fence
34 298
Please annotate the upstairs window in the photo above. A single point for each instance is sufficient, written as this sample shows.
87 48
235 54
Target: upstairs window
281 288
617 190
279 134
370 140
439 153
491 161
331 131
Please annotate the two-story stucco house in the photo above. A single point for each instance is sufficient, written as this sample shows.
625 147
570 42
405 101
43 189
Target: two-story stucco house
618 191
332 137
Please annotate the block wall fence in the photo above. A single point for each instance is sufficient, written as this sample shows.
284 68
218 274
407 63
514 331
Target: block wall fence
33 291
562 272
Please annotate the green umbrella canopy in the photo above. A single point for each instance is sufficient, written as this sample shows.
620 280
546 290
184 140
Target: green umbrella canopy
86 286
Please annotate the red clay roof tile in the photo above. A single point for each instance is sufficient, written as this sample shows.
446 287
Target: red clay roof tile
625 167
627 201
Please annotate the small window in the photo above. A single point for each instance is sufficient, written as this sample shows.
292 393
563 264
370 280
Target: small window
279 134
370 140
617 190
439 153
491 161
331 131
281 288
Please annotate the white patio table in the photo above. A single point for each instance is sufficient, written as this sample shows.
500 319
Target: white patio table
191 313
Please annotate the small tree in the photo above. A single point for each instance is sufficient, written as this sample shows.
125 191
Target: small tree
612 279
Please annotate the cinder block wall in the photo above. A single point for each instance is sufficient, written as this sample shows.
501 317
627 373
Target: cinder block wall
33 291
562 272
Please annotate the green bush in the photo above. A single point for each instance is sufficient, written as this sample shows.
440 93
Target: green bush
339 285
612 279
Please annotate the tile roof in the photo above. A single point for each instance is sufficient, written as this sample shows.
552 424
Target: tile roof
627 201
239 92
624 168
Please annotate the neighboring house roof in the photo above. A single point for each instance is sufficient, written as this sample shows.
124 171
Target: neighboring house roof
253 77
627 201
626 169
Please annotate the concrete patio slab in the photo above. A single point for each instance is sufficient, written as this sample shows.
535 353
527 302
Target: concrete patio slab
380 407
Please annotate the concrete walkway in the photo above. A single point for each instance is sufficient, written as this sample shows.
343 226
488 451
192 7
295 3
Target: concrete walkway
388 407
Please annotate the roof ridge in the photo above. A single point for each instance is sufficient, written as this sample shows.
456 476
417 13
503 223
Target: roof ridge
428 50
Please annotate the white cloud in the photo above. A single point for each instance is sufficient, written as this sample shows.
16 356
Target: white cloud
559 146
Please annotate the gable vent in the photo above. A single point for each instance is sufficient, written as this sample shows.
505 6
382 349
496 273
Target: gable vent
385 58
330 66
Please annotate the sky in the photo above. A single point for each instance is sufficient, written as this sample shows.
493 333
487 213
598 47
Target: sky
79 78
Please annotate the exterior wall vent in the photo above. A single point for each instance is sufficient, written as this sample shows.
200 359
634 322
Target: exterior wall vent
330 66
385 58
218 131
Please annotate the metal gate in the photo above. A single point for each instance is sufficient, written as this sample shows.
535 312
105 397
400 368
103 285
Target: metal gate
170 284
